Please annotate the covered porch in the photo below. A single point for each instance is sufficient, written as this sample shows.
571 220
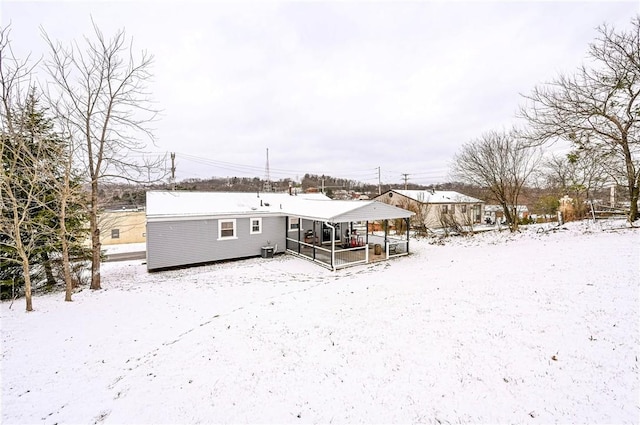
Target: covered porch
342 233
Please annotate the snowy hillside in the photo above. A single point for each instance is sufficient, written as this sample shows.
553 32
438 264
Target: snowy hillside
528 328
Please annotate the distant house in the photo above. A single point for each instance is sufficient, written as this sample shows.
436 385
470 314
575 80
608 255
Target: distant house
435 208
495 213
190 228
122 226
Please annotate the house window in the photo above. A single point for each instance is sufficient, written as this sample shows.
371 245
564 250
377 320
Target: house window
444 209
227 229
115 233
256 226
463 209
294 223
453 209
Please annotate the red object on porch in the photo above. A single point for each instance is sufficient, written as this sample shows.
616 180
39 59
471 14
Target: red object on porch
356 241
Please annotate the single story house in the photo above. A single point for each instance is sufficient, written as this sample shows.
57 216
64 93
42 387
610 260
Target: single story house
122 226
435 208
495 213
191 228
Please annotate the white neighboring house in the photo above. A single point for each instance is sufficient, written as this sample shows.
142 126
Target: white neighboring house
435 207
190 228
495 214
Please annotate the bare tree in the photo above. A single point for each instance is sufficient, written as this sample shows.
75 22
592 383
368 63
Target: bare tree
20 187
502 162
597 109
576 175
70 205
104 91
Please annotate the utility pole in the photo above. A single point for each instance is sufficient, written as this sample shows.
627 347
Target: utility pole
405 176
267 183
379 184
173 171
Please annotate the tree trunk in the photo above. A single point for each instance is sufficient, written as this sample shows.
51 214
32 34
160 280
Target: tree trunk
67 270
27 283
48 271
633 209
25 271
22 253
95 238
508 218
632 180
66 267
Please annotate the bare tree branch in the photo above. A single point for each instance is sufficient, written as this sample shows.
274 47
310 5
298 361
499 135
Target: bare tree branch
597 109
104 87
502 162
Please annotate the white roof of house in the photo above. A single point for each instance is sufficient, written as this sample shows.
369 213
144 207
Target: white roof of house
187 203
314 206
437 196
493 208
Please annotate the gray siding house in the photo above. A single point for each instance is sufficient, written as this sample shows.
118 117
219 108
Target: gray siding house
191 228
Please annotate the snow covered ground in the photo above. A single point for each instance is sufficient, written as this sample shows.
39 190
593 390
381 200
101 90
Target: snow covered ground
125 247
497 328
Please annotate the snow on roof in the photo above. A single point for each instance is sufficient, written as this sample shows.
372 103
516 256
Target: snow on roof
309 205
437 196
184 203
493 208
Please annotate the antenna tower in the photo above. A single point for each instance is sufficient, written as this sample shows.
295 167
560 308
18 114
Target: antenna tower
267 180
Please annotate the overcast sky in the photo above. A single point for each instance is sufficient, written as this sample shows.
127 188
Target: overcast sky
336 88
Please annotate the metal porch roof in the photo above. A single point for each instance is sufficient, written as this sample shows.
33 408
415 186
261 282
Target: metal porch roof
346 211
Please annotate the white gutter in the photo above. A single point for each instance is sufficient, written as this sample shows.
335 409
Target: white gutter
333 246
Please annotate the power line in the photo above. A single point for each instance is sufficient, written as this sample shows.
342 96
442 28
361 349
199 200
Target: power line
362 175
365 173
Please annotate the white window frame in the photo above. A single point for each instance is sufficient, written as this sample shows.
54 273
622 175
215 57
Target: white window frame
255 232
298 222
235 229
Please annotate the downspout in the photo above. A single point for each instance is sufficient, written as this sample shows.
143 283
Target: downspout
367 234
333 245
408 221
313 240
386 241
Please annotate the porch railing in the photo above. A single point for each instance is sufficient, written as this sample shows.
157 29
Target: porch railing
343 257
396 247
393 247
350 256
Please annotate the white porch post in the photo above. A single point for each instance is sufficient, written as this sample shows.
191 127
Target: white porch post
333 245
